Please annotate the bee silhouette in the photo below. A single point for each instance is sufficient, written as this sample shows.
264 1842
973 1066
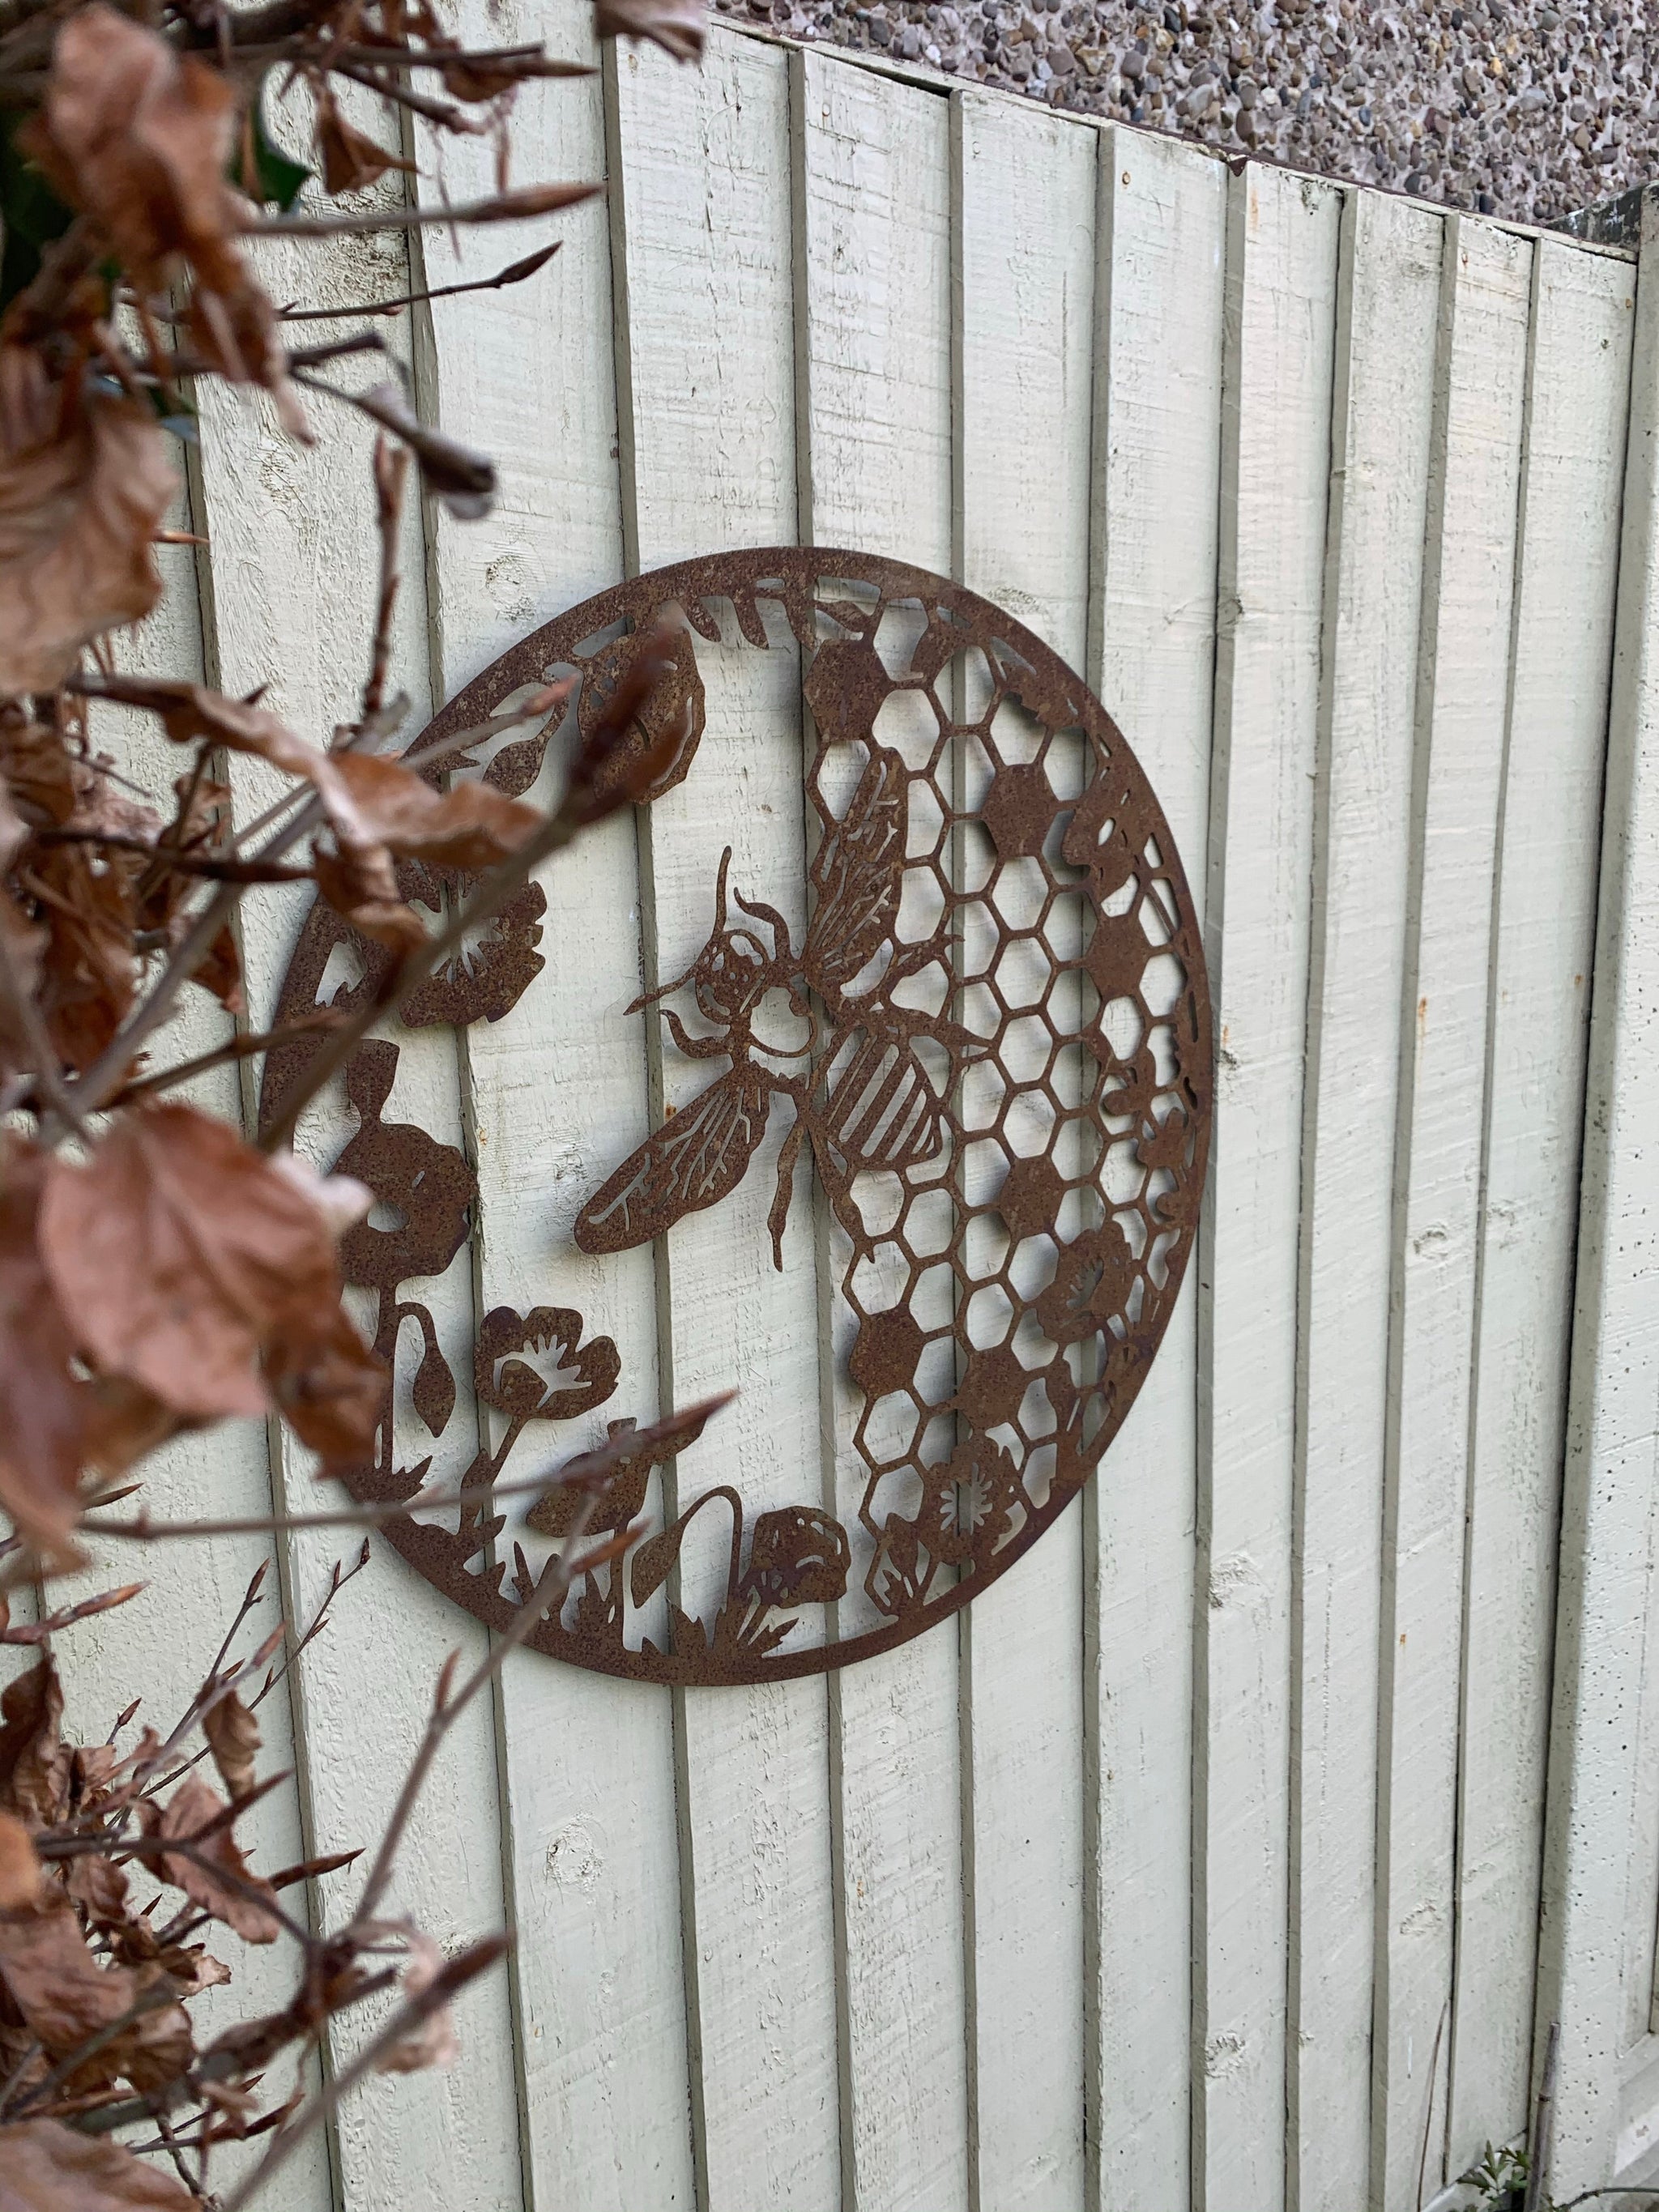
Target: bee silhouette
866 1098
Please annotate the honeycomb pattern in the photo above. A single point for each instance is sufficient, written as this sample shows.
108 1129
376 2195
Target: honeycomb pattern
1008 1111
1064 948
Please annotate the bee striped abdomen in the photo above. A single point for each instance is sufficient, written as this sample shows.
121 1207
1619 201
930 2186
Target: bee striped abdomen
880 1106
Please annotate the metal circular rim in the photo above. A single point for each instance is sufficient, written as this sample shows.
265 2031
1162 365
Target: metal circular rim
1061 700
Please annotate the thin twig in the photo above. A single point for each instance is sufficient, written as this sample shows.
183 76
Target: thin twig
178 859
551 1586
587 1469
391 470
40 1631
236 1048
1428 2116
500 207
514 273
1543 2127
447 114
453 1976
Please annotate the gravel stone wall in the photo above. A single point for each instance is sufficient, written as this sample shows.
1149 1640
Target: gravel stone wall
1526 111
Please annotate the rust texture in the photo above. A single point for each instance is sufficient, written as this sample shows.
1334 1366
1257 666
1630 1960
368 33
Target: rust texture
1000 1079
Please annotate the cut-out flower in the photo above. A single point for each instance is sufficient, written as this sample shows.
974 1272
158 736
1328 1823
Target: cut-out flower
797 1556
1093 1283
522 1391
967 1504
488 976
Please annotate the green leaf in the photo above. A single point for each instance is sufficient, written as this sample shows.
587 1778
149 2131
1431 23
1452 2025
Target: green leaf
33 214
277 177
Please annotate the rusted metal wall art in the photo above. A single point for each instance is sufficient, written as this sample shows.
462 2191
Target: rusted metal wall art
989 1049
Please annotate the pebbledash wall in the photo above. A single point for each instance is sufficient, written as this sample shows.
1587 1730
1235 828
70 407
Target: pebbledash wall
1239 1844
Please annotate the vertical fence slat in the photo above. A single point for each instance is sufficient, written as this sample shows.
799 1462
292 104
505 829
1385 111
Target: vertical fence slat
1157 452
1612 1429
1389 299
588 1762
1281 302
705 174
158 1646
1025 198
287 525
872 275
1578 385
1463 661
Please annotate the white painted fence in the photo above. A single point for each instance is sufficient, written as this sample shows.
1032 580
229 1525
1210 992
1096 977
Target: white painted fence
1204 1867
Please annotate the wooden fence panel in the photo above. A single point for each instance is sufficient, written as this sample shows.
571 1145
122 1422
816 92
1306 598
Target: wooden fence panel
1282 236
293 606
873 210
707 271
1543 944
1388 310
591 1844
1025 205
1156 467
1463 654
1604 1561
1172 1879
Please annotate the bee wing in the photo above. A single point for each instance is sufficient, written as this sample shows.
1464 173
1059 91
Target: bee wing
858 876
697 1159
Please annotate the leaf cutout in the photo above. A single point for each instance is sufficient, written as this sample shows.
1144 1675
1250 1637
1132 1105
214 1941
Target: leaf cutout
432 1391
653 1561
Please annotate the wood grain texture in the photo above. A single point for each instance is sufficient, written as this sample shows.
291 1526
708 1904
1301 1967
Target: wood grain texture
1024 190
1607 1549
1463 658
1578 392
556 1090
1387 313
1281 268
1155 465
708 444
291 605
872 200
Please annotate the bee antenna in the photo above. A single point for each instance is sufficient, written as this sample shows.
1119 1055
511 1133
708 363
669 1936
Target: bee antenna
650 998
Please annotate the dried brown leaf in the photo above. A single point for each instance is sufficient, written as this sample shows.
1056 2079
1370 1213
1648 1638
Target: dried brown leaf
179 1254
358 880
194 1969
463 479
329 1387
34 1761
66 1997
34 763
222 1887
47 2167
351 160
431 2041
89 972
84 481
139 138
470 826
365 891
678 26
233 1736
99 1887
19 1869
43 1408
